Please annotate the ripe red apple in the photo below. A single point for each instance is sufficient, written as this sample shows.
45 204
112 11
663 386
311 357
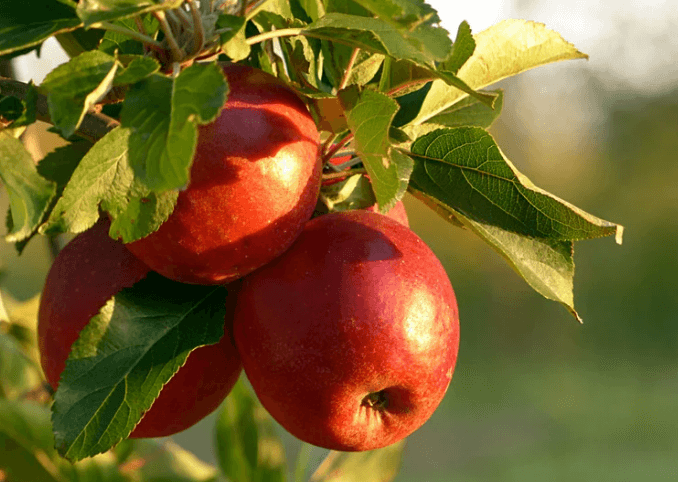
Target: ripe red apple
254 182
86 273
349 338
397 212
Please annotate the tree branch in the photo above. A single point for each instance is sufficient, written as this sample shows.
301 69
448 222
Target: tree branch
93 127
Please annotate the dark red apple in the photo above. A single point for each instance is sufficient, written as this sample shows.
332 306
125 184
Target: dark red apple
254 182
86 273
349 338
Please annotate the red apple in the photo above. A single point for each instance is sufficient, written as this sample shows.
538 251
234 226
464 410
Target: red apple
254 182
349 338
86 273
397 212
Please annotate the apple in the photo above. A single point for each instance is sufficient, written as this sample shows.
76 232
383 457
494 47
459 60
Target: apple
397 212
87 273
350 337
254 183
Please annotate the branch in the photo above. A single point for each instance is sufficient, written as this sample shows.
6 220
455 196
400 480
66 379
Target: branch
93 127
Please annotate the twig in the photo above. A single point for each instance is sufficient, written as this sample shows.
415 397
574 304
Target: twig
198 28
177 53
349 68
283 32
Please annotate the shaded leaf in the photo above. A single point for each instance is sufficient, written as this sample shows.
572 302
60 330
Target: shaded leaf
247 448
163 115
29 194
463 48
125 355
75 87
137 69
93 11
505 49
352 193
104 178
465 170
32 23
547 265
379 465
369 115
124 44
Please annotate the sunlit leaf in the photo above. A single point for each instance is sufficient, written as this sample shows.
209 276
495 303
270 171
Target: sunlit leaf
467 112
125 355
104 178
505 49
76 86
163 115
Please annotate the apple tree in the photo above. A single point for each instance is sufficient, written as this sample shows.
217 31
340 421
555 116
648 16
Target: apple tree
388 103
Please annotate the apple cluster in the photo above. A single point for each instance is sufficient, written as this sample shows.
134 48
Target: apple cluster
346 324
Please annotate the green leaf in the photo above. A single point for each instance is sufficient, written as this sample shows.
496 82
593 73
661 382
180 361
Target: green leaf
248 449
467 112
465 170
163 115
232 36
29 194
377 36
418 19
80 40
503 50
369 115
104 178
352 193
26 443
124 44
138 69
547 265
379 465
94 11
124 357
75 87
31 22
21 112
463 48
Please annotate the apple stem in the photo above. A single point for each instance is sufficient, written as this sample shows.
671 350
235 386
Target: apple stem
337 175
177 53
335 148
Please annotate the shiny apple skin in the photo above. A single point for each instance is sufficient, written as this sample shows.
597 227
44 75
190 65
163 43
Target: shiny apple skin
358 305
86 273
254 182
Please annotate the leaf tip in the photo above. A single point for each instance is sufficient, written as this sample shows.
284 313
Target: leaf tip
619 234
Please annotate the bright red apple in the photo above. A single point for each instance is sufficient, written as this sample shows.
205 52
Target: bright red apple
86 273
254 182
349 338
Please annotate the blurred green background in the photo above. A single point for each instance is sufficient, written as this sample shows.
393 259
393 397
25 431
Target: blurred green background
535 395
